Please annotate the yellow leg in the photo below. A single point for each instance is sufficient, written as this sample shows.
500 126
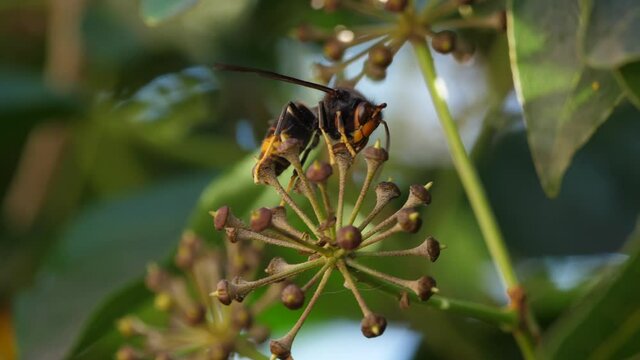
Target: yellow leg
265 155
343 135
332 159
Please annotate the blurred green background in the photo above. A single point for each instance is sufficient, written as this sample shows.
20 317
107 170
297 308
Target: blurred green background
115 134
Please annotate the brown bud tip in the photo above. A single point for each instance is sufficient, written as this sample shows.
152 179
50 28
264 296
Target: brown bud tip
395 5
381 56
319 172
421 193
444 41
280 349
260 219
276 265
433 249
220 217
374 72
292 297
349 237
388 189
333 49
409 220
127 353
424 286
222 292
376 153
241 317
373 325
232 235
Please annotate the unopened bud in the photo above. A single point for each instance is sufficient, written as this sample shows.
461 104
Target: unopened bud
349 237
376 153
373 325
444 41
374 72
333 49
260 219
292 297
241 317
319 172
433 249
222 292
409 220
381 56
425 287
280 348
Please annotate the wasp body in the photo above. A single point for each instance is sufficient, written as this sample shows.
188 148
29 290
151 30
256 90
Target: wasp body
344 115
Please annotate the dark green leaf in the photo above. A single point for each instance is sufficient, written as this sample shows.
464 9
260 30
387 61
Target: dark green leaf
611 34
104 249
629 79
564 101
156 11
606 323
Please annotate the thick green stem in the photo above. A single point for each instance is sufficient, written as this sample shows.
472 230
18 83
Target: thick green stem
475 192
466 171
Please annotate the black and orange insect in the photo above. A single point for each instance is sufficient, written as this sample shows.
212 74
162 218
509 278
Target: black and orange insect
343 115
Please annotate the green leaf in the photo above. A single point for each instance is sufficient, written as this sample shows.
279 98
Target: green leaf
564 101
155 12
629 79
106 247
611 35
606 323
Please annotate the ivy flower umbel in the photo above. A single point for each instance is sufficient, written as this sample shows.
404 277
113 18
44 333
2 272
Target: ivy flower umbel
332 240
196 326
394 22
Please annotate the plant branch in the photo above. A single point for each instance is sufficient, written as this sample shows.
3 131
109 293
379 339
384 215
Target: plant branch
466 171
486 313
477 198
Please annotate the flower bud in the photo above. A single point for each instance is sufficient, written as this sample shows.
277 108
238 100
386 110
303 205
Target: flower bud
444 41
433 249
319 172
424 287
280 349
349 237
222 292
220 217
260 219
381 56
259 334
333 49
373 325
376 153
292 297
386 190
409 220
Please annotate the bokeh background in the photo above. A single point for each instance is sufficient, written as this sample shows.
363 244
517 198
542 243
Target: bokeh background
113 123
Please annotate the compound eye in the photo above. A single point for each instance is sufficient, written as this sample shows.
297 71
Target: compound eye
363 114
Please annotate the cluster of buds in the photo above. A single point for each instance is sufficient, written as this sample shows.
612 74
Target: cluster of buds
332 241
197 326
396 23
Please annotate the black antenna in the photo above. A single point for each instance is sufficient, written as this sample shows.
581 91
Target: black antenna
274 75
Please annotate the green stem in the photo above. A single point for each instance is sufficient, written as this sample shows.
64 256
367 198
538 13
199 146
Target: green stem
475 192
466 171
486 313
